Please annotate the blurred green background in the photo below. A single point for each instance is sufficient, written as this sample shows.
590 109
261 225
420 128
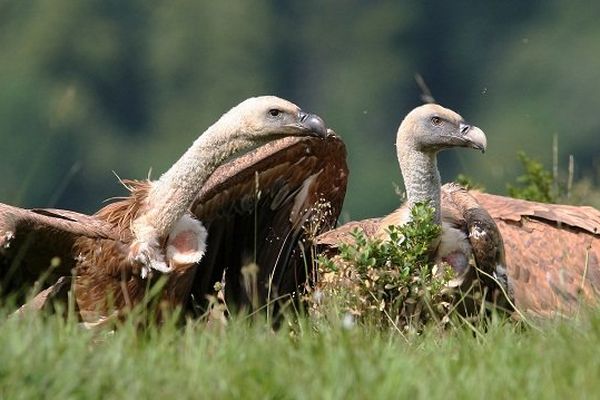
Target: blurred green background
90 87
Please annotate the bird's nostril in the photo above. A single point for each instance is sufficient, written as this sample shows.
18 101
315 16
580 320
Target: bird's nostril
464 128
302 116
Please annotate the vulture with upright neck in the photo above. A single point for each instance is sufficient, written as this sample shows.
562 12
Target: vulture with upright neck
466 229
546 256
157 229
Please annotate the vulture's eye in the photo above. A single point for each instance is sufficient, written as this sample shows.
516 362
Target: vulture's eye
273 112
437 121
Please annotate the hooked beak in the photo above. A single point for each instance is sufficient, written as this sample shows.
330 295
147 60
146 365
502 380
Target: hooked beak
312 123
473 137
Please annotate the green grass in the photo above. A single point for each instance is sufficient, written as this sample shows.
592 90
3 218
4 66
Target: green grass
50 358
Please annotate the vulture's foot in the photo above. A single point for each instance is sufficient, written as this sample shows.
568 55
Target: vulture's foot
185 247
150 256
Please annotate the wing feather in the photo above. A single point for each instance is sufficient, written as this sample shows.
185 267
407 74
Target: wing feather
509 209
264 210
552 253
38 242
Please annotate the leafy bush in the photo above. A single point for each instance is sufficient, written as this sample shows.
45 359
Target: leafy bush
390 281
535 184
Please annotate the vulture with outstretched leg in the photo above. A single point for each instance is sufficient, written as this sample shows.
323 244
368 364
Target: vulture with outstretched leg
265 210
155 231
467 229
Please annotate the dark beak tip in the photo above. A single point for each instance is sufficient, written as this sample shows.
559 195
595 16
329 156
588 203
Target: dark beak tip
477 146
315 124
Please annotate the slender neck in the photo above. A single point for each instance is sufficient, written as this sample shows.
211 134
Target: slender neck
175 191
421 178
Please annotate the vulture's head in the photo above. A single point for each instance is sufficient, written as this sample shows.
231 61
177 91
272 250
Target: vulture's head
265 118
431 128
252 123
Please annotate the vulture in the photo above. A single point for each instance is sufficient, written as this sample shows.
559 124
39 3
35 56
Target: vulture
552 253
545 258
467 229
207 219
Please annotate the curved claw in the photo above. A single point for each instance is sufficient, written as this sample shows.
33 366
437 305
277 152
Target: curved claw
150 257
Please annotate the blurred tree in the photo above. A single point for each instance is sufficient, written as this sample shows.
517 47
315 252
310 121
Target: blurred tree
544 82
90 87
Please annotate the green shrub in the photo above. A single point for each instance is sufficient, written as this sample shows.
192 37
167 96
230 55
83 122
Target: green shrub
535 184
390 281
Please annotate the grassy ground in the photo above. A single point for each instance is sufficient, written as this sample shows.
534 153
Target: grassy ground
50 358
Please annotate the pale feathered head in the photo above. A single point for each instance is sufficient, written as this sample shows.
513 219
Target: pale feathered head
265 118
431 128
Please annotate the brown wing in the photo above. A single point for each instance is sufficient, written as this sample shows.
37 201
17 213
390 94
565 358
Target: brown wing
552 252
58 290
33 240
509 209
265 207
264 210
462 210
329 241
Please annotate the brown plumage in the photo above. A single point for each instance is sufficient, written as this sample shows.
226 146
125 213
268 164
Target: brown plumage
105 277
228 205
267 208
39 242
134 237
552 253
462 212
466 228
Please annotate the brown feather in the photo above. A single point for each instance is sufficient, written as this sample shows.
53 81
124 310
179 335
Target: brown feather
38 242
106 278
552 252
509 209
329 241
459 210
58 290
121 212
226 202
108 266
265 207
